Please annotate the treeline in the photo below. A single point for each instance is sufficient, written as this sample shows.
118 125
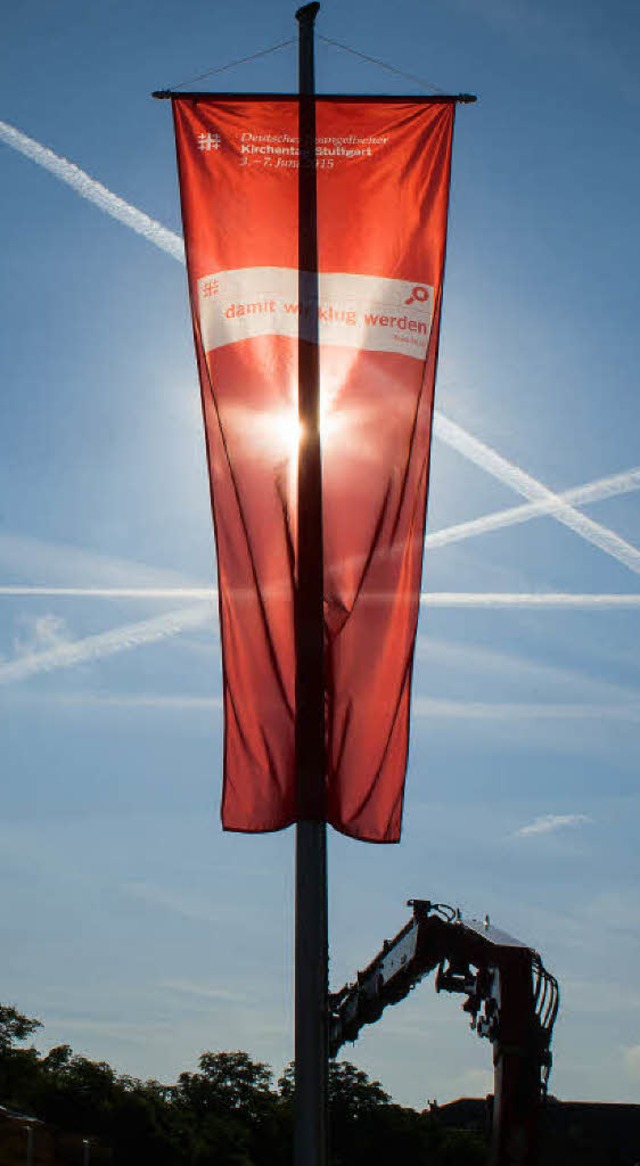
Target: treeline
230 1112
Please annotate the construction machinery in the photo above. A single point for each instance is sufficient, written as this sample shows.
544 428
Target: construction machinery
511 998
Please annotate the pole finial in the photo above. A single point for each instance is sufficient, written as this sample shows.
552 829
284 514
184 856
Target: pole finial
308 13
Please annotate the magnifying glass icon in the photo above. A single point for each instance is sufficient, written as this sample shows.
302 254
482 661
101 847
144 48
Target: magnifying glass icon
419 293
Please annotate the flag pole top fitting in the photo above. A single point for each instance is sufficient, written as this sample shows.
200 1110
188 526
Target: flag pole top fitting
307 13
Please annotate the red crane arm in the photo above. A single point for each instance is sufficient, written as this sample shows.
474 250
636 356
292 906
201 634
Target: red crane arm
511 998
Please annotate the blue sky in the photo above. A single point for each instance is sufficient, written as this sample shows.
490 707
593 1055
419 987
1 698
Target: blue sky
133 927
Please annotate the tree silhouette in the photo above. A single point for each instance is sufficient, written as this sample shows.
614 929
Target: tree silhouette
225 1113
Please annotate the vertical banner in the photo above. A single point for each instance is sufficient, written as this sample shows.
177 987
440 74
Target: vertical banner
383 168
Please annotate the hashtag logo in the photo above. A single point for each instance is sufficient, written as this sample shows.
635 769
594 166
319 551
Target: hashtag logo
208 141
210 288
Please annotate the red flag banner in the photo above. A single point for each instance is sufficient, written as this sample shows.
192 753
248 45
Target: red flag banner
382 188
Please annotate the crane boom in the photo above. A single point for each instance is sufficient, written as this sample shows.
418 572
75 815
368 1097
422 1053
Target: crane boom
510 996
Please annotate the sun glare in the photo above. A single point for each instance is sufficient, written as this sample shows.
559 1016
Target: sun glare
285 432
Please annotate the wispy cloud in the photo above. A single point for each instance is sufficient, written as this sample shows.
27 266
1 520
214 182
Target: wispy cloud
596 491
32 559
439 710
521 677
120 639
93 191
529 487
433 709
163 702
40 633
551 823
189 906
204 991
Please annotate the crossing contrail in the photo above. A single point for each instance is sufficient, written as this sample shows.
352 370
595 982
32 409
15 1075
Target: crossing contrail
132 635
93 191
448 431
505 471
609 487
173 623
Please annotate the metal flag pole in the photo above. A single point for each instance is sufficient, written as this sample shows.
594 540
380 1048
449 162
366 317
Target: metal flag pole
311 932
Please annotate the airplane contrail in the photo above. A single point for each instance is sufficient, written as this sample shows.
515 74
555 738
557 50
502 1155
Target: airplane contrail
453 599
447 430
608 487
96 647
505 471
93 191
19 590
163 627
537 599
